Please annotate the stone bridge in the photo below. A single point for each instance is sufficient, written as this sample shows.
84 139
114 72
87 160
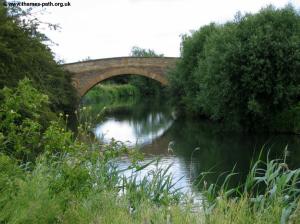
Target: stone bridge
87 74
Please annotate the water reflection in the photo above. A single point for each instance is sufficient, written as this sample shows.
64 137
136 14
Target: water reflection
181 178
134 132
198 146
219 151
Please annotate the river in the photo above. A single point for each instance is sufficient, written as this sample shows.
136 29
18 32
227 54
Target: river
190 146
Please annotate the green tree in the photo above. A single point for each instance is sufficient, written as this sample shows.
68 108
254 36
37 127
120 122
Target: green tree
23 54
250 72
245 72
183 83
145 85
140 52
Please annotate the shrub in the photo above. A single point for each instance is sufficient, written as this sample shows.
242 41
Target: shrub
25 127
21 114
244 72
24 54
183 83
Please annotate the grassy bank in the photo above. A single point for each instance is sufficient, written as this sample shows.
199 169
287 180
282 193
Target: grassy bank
76 189
48 175
110 93
105 97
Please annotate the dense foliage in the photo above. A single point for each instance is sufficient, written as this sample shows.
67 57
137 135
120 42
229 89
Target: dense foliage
23 54
28 128
245 72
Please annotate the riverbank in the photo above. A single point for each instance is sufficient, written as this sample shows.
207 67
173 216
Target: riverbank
111 93
48 176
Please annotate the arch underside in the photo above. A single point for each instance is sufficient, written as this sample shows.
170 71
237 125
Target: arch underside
85 81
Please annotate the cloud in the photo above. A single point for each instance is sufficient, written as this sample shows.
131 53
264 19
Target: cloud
109 28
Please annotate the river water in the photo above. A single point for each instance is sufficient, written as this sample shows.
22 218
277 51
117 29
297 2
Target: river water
190 146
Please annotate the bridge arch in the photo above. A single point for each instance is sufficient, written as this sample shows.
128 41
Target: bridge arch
89 73
121 71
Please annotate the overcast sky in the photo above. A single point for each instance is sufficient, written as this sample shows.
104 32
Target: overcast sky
110 28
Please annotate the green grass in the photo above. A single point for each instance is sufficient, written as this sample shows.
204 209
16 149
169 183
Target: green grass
110 93
49 175
270 194
85 188
76 189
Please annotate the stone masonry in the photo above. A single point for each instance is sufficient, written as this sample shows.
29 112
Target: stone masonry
87 74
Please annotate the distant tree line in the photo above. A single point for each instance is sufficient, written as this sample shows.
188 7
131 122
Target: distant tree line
245 73
145 85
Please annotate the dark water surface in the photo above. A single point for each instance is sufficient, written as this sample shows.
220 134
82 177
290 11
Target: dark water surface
191 146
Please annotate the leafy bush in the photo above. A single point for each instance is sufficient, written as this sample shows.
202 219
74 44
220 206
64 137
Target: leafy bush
24 54
21 114
244 72
26 129
183 83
